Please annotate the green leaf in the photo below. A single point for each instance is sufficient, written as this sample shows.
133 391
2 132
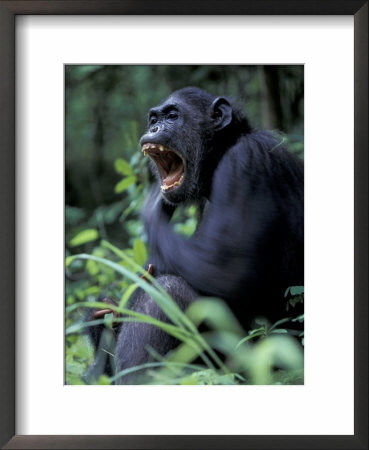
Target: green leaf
257 330
281 351
297 290
189 380
299 318
108 320
139 252
92 268
279 322
124 184
295 300
262 321
123 167
216 313
127 295
103 380
248 338
187 228
93 290
68 260
83 237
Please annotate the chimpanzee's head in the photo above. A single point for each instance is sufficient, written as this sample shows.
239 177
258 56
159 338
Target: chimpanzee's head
186 137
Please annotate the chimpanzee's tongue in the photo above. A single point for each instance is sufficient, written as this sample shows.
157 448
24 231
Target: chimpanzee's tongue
173 176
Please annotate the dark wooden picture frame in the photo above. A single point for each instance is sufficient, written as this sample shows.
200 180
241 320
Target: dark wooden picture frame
8 12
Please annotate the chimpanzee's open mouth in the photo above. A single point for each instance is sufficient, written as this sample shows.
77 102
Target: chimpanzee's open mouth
170 165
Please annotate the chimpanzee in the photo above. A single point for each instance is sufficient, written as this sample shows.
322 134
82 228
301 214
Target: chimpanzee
248 246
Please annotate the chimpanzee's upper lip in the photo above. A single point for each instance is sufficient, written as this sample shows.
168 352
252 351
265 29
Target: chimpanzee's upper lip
170 165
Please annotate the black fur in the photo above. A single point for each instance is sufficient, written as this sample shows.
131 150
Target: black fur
135 338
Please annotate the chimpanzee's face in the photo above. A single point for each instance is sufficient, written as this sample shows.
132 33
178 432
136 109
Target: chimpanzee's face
174 142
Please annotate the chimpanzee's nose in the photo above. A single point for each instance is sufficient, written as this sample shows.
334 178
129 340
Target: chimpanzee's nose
154 129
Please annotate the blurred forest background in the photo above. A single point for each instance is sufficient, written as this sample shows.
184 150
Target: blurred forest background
107 177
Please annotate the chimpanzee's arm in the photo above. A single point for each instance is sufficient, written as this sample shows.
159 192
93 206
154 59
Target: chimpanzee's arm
232 248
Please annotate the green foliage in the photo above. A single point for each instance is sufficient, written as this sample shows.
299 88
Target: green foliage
185 220
124 184
84 236
139 252
295 295
207 377
265 330
78 356
123 167
258 362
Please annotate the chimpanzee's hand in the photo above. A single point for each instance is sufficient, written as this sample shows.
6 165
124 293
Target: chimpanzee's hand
99 313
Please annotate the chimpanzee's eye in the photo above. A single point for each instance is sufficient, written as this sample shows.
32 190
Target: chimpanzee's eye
152 120
172 115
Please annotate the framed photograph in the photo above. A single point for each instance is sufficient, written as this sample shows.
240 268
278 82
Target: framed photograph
91 91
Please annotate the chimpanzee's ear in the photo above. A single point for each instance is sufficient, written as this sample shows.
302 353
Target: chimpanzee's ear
221 113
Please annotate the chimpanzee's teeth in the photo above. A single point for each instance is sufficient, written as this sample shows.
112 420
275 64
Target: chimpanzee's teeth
165 187
152 147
